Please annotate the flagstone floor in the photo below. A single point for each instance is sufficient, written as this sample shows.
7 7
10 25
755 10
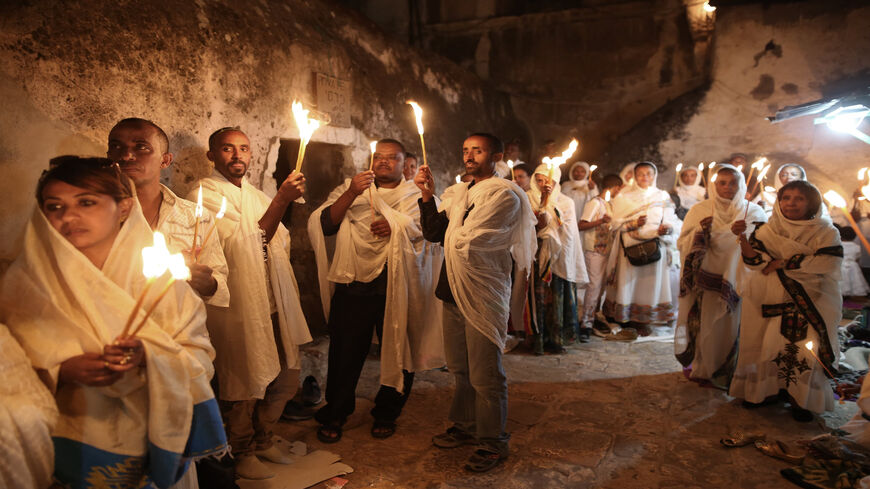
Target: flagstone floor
602 415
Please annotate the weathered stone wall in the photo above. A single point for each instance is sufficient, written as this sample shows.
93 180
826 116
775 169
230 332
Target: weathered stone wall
768 57
69 70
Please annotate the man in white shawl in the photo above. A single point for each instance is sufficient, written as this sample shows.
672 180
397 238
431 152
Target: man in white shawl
142 149
641 294
560 267
380 278
135 405
28 413
482 224
688 190
705 340
579 187
257 338
791 305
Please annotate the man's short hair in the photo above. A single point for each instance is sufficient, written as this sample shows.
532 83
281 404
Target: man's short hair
495 144
529 169
392 141
212 140
138 121
409 154
611 180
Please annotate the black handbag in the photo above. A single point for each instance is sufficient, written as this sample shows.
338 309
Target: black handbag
643 253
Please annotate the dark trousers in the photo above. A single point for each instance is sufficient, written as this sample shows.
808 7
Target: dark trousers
352 321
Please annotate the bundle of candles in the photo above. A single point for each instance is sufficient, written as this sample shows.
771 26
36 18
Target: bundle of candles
552 163
307 126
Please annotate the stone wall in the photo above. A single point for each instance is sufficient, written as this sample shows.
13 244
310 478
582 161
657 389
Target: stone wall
68 73
767 57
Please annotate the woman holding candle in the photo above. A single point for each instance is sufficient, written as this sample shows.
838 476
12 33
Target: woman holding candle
559 266
688 190
579 187
709 305
791 296
133 409
640 295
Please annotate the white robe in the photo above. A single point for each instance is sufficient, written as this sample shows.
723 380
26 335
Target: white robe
478 250
412 337
768 361
560 239
578 190
690 194
852 281
640 293
712 288
28 413
59 305
242 334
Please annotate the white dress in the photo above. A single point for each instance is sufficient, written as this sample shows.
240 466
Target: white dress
852 281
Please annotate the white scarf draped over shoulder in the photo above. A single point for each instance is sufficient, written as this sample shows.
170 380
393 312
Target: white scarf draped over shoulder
694 193
412 320
59 305
248 357
560 239
478 250
656 204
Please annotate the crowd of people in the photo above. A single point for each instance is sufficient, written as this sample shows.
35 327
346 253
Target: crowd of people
449 277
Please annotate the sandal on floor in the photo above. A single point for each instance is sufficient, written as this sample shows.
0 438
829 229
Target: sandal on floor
483 460
383 429
777 449
741 439
329 433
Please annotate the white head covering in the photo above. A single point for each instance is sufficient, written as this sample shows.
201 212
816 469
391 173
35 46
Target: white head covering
690 194
535 191
802 231
582 183
627 174
726 211
777 184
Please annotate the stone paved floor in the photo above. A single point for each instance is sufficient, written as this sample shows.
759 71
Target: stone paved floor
603 415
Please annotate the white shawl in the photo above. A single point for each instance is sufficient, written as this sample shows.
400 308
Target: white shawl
412 319
694 193
560 239
578 190
59 305
27 415
248 359
478 250
634 201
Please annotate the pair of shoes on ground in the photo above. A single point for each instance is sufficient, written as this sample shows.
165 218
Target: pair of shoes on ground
624 334
585 335
250 466
483 459
331 433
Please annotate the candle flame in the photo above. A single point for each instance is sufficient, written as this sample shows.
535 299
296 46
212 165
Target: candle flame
759 163
155 257
709 8
713 178
372 146
223 209
701 166
679 167
198 212
861 173
592 168
607 196
865 191
306 124
177 267
809 345
510 163
712 165
458 178
418 115
835 199
547 161
570 151
763 173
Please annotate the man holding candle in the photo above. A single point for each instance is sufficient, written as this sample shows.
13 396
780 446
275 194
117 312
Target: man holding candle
257 338
483 225
378 279
141 148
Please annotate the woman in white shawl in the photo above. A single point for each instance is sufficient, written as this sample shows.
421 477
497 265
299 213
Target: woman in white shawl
579 186
689 190
640 294
559 267
134 411
791 304
709 311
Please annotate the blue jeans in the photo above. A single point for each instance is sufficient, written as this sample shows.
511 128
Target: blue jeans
480 398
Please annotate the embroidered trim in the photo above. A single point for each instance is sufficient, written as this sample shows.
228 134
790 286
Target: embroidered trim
716 283
794 262
807 309
640 313
787 361
831 251
754 260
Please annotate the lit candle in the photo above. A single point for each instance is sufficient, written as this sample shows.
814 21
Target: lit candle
179 271
740 168
372 146
307 126
592 168
154 264
862 173
219 215
836 200
758 165
758 181
701 171
418 116
677 174
510 164
809 346
458 178
198 216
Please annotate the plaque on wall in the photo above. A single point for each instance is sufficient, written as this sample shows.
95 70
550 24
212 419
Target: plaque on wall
333 97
